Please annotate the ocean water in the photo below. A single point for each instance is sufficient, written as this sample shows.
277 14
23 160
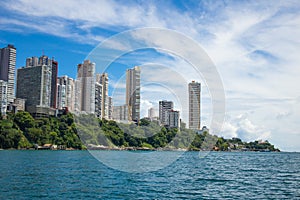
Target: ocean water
218 175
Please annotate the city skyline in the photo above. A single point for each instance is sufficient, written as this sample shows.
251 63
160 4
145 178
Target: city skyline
253 46
88 93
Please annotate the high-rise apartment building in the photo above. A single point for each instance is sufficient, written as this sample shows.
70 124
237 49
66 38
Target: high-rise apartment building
52 65
3 97
85 87
194 105
133 97
98 99
164 107
103 80
65 93
110 107
120 113
7 70
173 119
34 85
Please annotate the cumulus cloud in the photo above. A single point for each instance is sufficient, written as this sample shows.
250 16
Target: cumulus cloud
255 46
242 127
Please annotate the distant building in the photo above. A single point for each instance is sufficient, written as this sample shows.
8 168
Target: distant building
164 107
110 107
7 70
3 97
120 113
173 119
65 93
151 113
103 80
35 84
19 105
194 105
133 97
98 99
85 87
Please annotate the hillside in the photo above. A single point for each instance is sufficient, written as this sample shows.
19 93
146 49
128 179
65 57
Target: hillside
22 131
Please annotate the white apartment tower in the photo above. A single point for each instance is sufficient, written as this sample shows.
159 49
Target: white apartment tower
133 97
65 93
98 99
85 87
7 70
102 79
194 105
3 97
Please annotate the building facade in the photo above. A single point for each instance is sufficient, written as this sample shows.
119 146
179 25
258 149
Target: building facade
7 70
34 84
3 97
151 113
65 93
173 119
102 79
98 99
194 105
110 107
52 66
133 97
120 113
85 87
164 107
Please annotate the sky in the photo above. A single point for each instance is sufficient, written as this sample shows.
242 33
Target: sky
254 46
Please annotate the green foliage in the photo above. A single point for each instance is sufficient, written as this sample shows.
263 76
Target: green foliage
22 131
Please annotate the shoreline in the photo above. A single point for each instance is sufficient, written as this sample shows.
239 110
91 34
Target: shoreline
144 149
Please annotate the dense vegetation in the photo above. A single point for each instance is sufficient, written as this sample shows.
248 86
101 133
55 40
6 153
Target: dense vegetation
150 135
22 131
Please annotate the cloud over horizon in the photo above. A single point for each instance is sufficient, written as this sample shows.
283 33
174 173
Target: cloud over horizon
254 45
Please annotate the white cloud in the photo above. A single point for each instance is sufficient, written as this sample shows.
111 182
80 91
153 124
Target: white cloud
242 127
145 106
254 44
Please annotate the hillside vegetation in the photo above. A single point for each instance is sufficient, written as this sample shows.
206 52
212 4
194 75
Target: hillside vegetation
22 131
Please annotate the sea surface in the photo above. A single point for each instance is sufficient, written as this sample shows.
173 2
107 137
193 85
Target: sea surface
216 175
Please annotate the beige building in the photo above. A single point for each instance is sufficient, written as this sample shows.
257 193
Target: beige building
85 87
194 105
133 95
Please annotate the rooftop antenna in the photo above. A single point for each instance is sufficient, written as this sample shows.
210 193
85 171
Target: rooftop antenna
43 52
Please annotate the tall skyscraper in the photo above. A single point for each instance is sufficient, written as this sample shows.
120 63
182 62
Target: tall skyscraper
65 93
194 105
53 67
110 107
133 97
103 80
34 85
7 70
98 99
3 97
85 86
164 107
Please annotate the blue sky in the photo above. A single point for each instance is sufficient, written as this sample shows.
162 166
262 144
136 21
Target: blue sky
254 45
